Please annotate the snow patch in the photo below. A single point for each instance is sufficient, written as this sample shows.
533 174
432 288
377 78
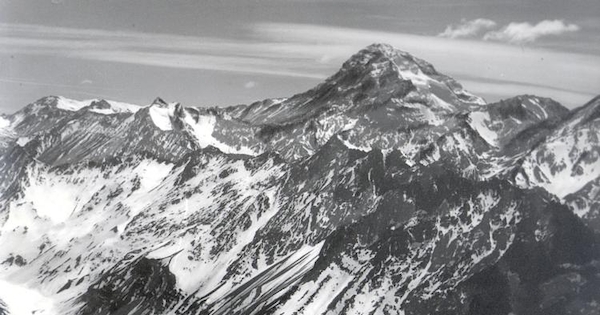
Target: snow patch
417 77
354 147
54 201
479 121
21 300
71 105
4 123
161 116
117 108
124 107
556 165
22 141
203 128
75 105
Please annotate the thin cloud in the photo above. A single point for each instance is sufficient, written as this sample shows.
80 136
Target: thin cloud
38 83
160 50
249 84
493 91
520 33
468 29
308 51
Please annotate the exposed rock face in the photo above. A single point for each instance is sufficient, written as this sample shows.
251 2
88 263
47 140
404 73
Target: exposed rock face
387 189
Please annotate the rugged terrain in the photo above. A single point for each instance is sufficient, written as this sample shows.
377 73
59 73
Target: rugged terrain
387 189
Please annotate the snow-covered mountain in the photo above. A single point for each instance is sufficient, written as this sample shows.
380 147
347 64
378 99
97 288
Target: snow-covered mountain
387 189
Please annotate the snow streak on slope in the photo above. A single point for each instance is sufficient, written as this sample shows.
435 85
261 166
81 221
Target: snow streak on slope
268 286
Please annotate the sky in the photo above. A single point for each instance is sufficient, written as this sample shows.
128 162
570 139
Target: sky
221 53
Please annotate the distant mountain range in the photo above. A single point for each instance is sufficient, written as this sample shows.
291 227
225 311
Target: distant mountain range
386 189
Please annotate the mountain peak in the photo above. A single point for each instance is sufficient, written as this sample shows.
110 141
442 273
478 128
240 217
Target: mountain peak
64 105
159 101
384 48
108 107
52 103
381 53
529 107
382 61
378 76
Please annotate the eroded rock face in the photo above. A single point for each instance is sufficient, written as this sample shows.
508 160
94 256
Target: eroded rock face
144 286
387 189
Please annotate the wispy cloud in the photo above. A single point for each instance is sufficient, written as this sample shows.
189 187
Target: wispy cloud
468 29
163 50
75 90
19 81
520 33
514 33
500 89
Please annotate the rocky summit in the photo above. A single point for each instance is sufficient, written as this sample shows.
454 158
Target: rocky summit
386 189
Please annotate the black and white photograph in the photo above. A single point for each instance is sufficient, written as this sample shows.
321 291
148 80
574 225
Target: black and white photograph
299 157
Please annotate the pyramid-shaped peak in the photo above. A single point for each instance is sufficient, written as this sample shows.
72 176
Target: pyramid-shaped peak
391 66
375 77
